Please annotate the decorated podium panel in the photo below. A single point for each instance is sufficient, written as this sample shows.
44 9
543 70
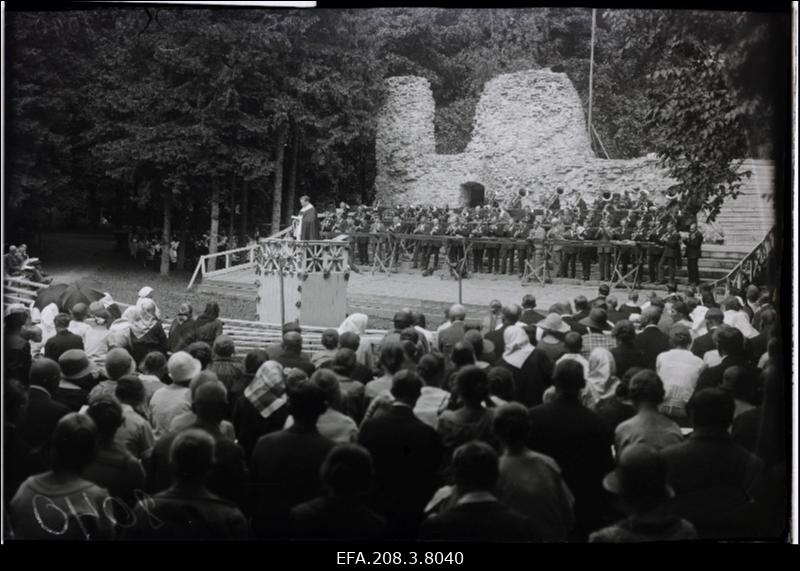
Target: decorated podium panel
303 281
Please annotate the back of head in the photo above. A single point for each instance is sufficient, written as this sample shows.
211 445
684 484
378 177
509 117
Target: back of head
210 402
714 317
155 363
581 303
651 315
475 467
201 351
349 340
573 342
431 369
511 313
457 312
61 321
680 337
711 409
633 296
191 455
681 310
731 304
409 334
402 319
80 311
730 340
45 373
472 385
740 383
392 356
73 442
528 301
106 413
347 471
624 331
293 342
406 387
327 380
291 326
568 378
604 290
253 360
475 340
611 302
211 311
344 362
752 294
330 339
768 318
130 390
200 380
118 363
512 423
306 401
224 346
646 387
501 383
419 319
463 354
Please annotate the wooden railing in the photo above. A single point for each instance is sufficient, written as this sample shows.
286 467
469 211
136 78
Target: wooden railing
752 267
20 290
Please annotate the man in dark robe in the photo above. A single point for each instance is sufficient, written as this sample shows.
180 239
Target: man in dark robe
309 223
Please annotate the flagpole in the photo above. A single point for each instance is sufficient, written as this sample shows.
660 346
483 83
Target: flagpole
591 73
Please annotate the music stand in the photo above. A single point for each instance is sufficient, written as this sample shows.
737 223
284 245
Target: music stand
617 277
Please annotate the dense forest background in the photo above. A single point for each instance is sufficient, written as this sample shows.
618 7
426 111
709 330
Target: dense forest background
217 120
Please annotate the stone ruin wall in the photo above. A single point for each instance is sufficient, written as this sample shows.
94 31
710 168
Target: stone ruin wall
528 133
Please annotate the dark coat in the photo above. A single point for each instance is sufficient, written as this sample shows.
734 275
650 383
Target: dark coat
711 377
450 336
532 379
329 518
17 357
60 343
294 361
714 480
757 346
672 246
309 225
41 417
181 335
693 244
629 310
208 330
531 316
626 357
154 340
407 455
284 472
580 442
249 425
614 316
496 337
651 341
703 344
478 521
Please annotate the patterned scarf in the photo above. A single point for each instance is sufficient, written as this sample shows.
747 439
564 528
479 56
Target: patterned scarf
267 390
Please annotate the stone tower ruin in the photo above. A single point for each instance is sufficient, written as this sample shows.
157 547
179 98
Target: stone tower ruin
528 133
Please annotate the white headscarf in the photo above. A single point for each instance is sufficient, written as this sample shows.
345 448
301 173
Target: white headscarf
146 319
48 314
600 379
518 346
355 323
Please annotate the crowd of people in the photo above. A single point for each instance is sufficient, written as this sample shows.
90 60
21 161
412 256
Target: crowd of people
146 247
17 263
504 238
600 420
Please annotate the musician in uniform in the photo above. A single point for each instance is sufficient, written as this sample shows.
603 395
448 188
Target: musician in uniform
519 233
693 243
422 229
557 233
672 251
379 238
477 232
537 237
654 252
586 253
362 242
604 249
495 230
569 253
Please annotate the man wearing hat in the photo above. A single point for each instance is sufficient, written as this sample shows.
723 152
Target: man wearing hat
63 340
640 482
78 377
599 332
553 330
174 399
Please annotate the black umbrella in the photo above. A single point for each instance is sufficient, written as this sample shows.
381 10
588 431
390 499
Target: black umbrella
65 296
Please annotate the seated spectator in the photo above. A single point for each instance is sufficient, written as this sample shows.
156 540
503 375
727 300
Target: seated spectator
227 369
263 408
601 381
113 467
147 332
75 501
345 365
461 356
730 344
358 372
477 514
529 314
735 316
757 346
473 420
78 377
16 348
356 324
432 399
411 354
573 344
135 434
705 342
741 385
530 481
201 351
651 340
78 325
63 340
501 385
227 477
43 411
153 373
632 305
174 399
118 363
330 342
189 418
619 407
285 465
640 480
119 332
275 349
183 330
391 361
680 315
648 426
407 454
484 349
191 458
290 356
454 332
626 354
714 479
209 326
578 440
532 369
96 338
599 330
341 512
553 329
679 370
332 423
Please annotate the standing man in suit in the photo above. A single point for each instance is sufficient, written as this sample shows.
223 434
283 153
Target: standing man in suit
693 244
672 251
451 335
655 250
407 454
651 340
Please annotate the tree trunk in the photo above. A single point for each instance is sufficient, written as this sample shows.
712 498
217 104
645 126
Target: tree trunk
231 227
245 206
277 193
291 181
214 230
166 236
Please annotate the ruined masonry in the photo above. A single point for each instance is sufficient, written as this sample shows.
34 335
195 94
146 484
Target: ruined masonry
529 133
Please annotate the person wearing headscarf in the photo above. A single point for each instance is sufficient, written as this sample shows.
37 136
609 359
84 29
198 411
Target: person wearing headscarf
532 369
119 332
46 323
183 331
601 382
146 293
263 408
209 327
147 333
357 323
